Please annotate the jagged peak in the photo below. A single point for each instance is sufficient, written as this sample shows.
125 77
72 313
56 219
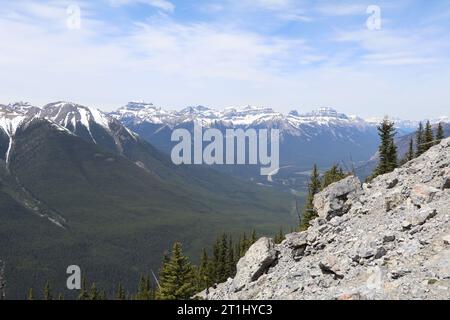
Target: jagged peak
325 112
195 110
65 113
139 105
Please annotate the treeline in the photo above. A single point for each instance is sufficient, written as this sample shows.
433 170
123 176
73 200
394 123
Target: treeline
178 278
425 138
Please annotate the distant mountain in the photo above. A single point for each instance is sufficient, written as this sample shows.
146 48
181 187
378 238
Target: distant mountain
323 136
77 187
404 127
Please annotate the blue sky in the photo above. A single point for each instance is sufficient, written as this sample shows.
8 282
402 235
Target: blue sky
285 54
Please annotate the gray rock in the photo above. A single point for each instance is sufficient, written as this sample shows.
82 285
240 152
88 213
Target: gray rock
419 217
381 252
255 263
446 182
446 239
298 242
333 200
330 265
388 238
392 183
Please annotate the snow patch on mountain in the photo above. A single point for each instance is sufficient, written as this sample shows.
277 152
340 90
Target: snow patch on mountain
10 121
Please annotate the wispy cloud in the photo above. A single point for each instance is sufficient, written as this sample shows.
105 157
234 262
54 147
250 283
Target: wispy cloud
396 47
160 4
341 9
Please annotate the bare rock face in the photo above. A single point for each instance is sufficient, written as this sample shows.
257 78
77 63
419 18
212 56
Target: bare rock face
332 201
389 239
255 263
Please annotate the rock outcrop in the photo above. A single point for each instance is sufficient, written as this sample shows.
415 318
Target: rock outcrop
388 239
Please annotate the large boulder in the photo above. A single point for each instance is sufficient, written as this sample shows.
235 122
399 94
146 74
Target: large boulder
255 263
332 201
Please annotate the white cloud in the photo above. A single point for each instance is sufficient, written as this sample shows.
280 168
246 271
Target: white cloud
396 47
160 4
341 9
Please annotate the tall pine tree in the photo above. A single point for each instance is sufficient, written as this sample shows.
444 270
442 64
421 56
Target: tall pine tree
177 277
84 292
120 294
410 154
308 212
145 291
439 133
428 137
387 150
48 295
204 272
420 139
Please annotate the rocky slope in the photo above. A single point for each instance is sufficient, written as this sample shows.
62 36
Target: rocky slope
389 239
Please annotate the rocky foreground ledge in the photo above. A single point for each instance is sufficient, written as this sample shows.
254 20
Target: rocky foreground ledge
389 239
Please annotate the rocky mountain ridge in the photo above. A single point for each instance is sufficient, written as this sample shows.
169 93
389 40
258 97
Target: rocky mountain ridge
388 239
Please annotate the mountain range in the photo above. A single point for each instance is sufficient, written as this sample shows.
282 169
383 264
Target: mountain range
323 136
78 187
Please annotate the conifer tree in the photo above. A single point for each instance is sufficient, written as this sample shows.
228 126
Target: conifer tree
410 154
120 294
30 294
204 272
420 140
428 137
334 174
84 292
93 294
387 150
48 292
279 237
144 289
231 261
177 278
223 259
308 212
254 237
244 245
237 249
439 133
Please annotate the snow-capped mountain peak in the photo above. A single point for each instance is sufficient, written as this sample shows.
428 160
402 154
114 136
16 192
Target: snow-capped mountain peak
142 112
24 108
325 112
10 121
70 115
242 116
